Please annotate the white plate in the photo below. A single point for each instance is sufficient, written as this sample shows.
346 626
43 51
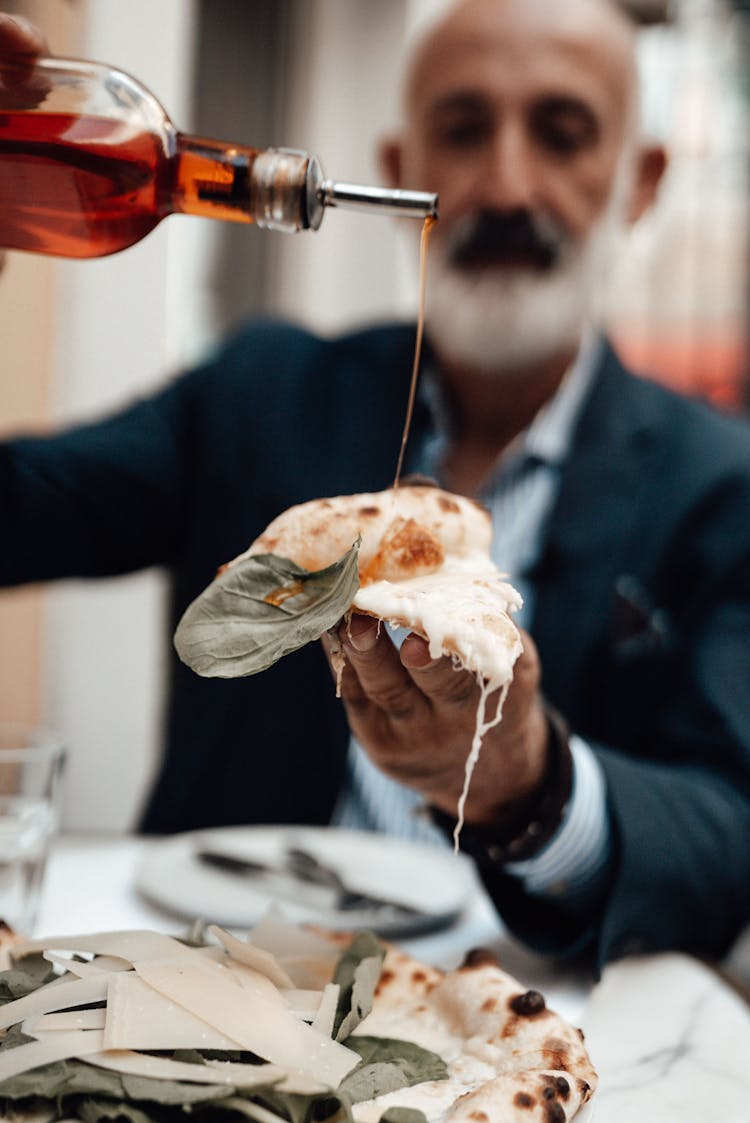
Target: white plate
436 882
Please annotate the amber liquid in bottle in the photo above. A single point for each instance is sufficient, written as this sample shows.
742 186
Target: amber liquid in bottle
85 186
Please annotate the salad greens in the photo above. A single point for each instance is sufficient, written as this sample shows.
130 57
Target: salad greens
74 1089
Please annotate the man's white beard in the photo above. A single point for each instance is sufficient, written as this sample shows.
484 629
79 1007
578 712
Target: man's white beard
503 320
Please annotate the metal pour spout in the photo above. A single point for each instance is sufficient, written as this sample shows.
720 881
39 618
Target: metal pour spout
288 192
385 200
322 193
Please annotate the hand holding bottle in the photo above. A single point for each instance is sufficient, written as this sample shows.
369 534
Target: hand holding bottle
21 43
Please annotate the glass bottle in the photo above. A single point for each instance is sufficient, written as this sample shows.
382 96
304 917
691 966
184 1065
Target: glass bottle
90 163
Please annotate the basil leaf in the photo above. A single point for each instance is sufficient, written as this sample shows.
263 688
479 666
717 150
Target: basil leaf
95 1111
403 1115
26 975
367 1081
415 1063
259 610
357 974
320 1107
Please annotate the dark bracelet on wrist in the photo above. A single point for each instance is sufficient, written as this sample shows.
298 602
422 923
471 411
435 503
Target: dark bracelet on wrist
529 825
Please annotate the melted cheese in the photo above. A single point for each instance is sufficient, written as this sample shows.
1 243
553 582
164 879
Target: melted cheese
462 611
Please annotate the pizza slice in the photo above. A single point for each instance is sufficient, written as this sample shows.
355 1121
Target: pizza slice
422 563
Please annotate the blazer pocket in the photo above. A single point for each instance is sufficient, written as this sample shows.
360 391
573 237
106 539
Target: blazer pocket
641 630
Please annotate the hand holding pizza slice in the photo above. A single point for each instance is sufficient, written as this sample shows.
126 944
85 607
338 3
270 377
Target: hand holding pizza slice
421 560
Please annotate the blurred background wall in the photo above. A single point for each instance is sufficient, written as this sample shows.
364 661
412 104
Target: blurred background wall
80 338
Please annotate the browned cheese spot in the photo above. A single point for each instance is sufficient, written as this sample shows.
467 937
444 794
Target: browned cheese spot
479 957
581 1034
556 1053
419 976
386 977
530 1004
407 550
523 1099
563 1087
448 505
368 512
489 1005
584 1089
480 1116
554 1113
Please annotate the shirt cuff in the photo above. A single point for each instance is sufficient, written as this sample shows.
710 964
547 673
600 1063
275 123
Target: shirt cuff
574 864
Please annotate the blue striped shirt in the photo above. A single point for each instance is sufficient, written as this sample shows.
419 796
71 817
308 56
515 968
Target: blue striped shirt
520 493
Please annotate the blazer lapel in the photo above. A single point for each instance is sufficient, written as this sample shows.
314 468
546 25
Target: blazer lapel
591 540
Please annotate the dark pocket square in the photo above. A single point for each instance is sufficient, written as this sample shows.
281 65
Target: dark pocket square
639 627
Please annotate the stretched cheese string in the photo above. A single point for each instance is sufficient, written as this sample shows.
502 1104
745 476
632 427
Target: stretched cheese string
482 727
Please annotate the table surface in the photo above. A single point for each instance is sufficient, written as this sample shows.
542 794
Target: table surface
669 1038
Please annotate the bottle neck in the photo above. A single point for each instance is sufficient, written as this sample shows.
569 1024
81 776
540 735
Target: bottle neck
278 188
239 184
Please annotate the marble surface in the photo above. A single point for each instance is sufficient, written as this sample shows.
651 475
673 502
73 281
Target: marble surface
671 1042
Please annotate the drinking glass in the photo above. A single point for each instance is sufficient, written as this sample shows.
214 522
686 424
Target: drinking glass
31 766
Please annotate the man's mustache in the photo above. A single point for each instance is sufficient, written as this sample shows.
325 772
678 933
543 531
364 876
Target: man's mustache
519 237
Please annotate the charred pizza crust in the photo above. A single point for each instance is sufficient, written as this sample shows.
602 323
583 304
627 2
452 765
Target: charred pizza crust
509 1057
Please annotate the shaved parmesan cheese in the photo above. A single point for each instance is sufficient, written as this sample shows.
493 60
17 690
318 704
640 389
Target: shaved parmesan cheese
137 944
262 1027
303 1003
104 964
52 1047
138 1017
326 1015
288 941
77 992
163 1068
260 960
65 1020
308 972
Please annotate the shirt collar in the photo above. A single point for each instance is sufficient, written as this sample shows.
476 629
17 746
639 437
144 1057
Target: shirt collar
549 436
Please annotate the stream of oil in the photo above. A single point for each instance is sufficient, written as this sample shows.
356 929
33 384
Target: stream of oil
429 222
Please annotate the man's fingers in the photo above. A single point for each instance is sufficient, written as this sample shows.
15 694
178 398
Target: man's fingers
437 678
20 37
382 678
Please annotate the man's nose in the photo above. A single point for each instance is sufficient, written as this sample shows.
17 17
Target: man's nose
510 174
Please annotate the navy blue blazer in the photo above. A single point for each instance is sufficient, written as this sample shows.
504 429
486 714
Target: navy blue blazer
642 607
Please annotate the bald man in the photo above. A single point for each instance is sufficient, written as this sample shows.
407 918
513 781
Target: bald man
610 809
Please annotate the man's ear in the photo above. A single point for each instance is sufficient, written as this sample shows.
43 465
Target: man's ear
651 163
390 160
